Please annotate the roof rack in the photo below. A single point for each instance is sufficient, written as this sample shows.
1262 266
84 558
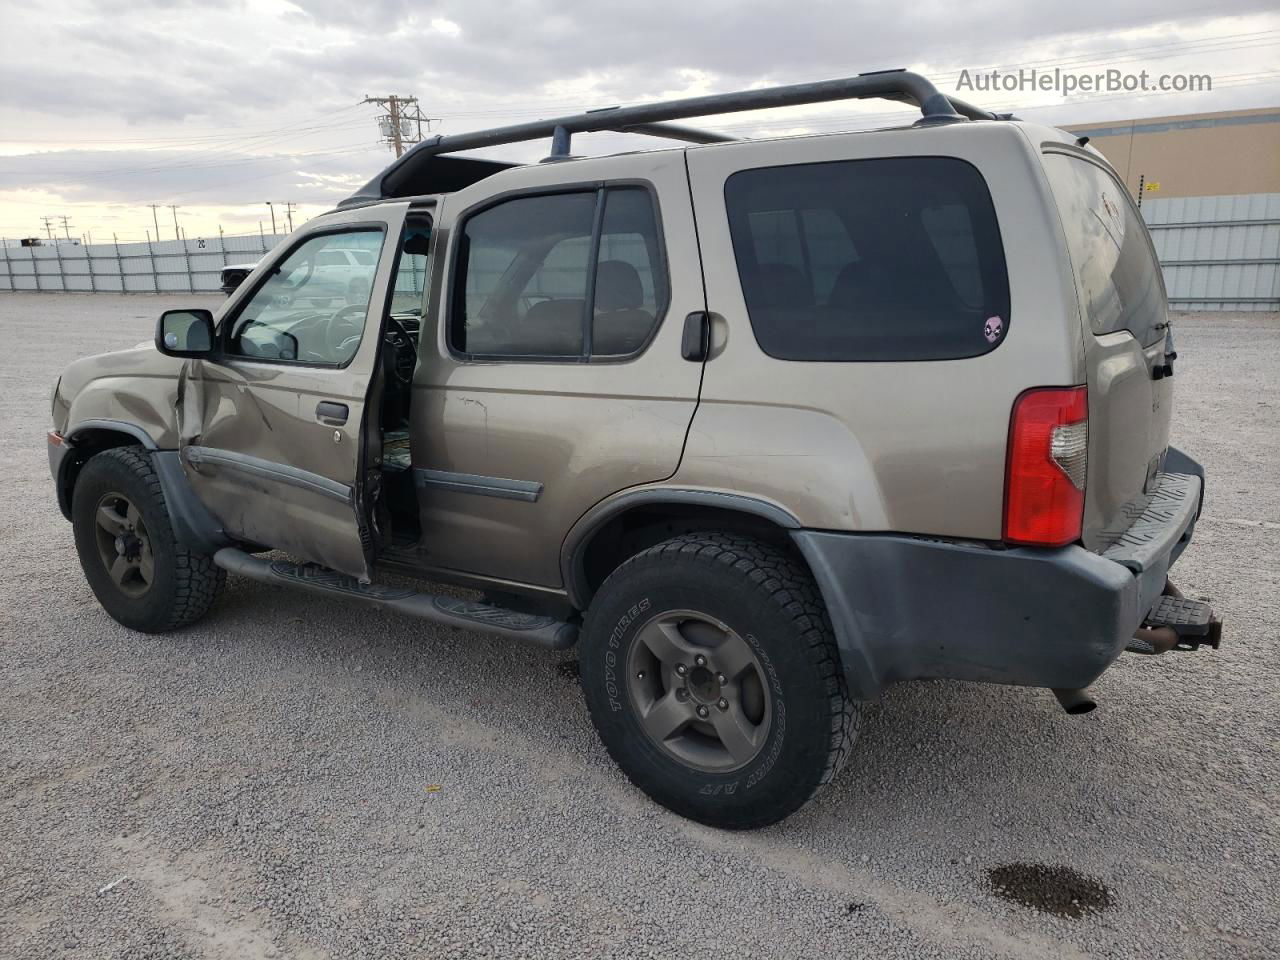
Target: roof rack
422 169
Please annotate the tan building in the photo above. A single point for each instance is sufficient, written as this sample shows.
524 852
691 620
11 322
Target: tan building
1195 155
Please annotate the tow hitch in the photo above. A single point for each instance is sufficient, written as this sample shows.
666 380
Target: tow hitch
1177 623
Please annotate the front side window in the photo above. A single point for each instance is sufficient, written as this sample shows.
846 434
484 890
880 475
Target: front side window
313 307
569 275
869 260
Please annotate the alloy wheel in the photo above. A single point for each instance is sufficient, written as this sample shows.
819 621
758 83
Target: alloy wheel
699 691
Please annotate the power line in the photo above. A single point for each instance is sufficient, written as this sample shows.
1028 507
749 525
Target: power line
168 142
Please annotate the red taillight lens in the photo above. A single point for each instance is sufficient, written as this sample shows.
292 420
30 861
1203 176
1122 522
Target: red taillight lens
1048 456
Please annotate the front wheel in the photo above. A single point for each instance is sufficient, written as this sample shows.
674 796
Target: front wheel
712 676
135 566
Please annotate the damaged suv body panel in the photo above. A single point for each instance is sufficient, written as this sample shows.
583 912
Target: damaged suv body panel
270 438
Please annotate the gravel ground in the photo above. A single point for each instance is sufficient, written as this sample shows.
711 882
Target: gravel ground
293 777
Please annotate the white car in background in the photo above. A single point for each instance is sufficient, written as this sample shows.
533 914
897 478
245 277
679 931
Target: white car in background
343 275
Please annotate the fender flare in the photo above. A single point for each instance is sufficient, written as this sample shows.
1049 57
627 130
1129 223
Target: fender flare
193 525
573 550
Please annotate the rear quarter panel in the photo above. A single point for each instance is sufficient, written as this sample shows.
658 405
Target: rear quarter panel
914 447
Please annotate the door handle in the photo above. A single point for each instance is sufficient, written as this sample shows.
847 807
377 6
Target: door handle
334 414
695 344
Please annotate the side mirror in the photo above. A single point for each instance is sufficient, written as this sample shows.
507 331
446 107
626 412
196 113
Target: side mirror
185 333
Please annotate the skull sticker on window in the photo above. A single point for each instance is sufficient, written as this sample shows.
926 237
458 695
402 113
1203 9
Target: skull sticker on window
993 328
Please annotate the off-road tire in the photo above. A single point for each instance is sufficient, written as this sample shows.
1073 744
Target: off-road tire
772 602
185 583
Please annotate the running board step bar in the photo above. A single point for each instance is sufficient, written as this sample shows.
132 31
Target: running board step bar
449 611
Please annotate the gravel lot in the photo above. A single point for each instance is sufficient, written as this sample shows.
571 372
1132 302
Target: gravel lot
265 783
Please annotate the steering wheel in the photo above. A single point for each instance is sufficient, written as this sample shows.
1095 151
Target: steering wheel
345 328
402 345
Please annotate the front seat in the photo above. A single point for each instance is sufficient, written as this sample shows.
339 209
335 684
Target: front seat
621 322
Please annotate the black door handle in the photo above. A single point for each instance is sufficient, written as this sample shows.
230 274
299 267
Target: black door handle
696 342
334 414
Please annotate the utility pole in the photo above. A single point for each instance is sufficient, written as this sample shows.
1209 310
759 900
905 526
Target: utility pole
66 226
48 226
402 124
288 210
176 234
156 218
273 217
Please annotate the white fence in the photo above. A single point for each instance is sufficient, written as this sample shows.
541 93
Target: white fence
192 265
1218 253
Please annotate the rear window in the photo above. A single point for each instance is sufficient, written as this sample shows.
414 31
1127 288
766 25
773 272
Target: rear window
871 260
1115 264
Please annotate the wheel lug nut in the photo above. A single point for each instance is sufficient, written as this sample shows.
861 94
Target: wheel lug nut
720 678
700 660
681 669
722 703
682 694
703 712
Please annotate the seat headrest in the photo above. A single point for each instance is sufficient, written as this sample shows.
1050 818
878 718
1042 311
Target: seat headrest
847 290
618 286
779 285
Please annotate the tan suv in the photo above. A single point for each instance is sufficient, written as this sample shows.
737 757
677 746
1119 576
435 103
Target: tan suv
761 425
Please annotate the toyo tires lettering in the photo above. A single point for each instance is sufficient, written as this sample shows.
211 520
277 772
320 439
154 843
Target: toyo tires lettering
611 655
779 714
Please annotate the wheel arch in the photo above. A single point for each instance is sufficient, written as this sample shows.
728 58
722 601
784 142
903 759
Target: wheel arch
193 525
91 437
617 529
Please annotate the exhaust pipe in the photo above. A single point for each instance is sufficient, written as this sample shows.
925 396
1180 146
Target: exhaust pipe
1075 702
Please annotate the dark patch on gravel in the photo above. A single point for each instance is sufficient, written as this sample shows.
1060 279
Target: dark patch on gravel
569 669
1059 890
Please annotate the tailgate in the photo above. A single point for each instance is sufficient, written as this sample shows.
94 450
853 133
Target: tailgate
1127 355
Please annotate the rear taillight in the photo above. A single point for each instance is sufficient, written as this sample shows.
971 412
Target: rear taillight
1048 457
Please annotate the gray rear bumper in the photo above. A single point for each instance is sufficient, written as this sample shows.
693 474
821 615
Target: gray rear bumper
907 608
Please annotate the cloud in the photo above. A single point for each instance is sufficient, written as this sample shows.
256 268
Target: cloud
237 99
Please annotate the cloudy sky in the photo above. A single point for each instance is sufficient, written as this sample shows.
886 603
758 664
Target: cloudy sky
217 106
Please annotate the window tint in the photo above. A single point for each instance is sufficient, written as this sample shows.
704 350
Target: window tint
312 309
630 279
526 284
894 259
1115 264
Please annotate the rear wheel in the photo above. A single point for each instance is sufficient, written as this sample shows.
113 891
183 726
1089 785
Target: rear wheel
136 568
712 676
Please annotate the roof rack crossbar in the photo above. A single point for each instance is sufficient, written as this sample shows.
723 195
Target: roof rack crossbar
651 118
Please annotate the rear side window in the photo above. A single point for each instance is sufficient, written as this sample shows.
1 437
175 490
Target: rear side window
560 276
1114 261
870 260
